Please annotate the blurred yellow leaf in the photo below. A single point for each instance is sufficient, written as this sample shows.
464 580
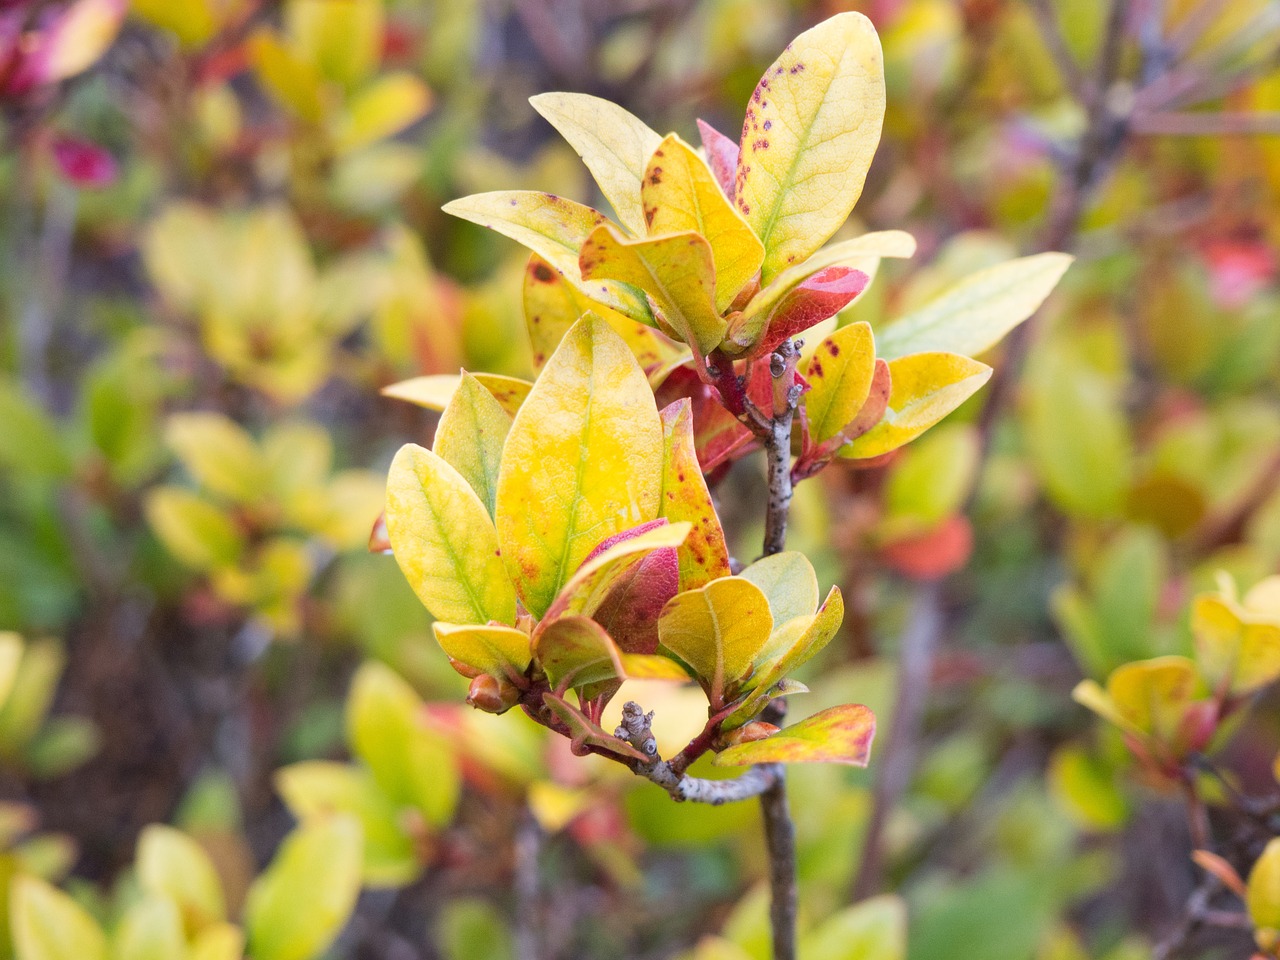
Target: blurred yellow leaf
342 39
192 22
445 542
836 735
470 437
151 929
218 453
173 865
221 941
812 126
31 695
583 461
383 108
839 375
614 145
294 82
874 929
718 630
80 36
1236 654
1264 888
192 529
49 925
11 650
302 901
1148 697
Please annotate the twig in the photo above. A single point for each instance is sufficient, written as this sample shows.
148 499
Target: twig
528 845
1207 124
780 838
1192 918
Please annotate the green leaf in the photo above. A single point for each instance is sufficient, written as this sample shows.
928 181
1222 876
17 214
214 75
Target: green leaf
584 733
150 930
718 630
874 929
839 374
171 864
470 436
489 648
926 387
383 108
444 541
680 195
583 461
675 269
300 904
48 925
576 652
931 479
27 706
812 127
342 38
836 735
975 314
193 529
30 440
613 144
789 583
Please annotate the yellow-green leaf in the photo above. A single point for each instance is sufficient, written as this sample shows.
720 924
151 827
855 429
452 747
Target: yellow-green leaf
583 461
718 630
926 387
812 127
552 227
703 555
171 864
1147 697
383 108
975 314
836 735
874 929
576 651
11 651
1264 888
341 38
218 454
680 195
489 648
614 145
150 930
296 909
839 374
445 542
48 925
193 22
294 82
434 391
788 582
470 436
676 270
222 941
193 529
1236 656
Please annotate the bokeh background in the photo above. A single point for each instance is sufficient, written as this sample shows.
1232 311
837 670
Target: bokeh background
220 237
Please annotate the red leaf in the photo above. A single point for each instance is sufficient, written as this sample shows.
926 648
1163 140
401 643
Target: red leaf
722 156
622 537
84 163
629 612
932 555
823 295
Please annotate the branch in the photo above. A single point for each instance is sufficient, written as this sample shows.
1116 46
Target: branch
1208 124
1051 32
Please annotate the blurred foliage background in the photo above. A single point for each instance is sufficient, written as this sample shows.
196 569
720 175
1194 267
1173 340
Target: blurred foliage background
221 238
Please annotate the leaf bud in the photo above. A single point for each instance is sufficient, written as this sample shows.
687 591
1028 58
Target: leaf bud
492 694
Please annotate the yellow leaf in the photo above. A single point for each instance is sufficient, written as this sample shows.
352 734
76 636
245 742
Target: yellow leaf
680 195
382 109
718 630
193 22
583 461
296 909
676 270
926 387
1151 696
974 315
703 555
192 529
434 391
839 374
836 735
293 82
222 941
470 437
80 36
340 38
812 127
445 542
218 454
11 650
48 925
171 864
1264 888
151 929
874 929
552 227
489 648
1236 656
613 144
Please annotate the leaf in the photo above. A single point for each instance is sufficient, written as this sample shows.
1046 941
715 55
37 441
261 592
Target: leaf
790 648
552 304
151 929
78 37
11 651
192 529
1149 697
436 390
192 23
470 437
31 440
575 652
489 648
298 906
722 156
413 763
788 582
444 541
26 708
341 38
171 864
676 270
612 143
926 387
680 194
383 108
931 480
293 82
840 375
218 453
49 925
222 941
718 630
703 555
811 129
637 594
584 733
874 929
975 314
1235 656
552 227
836 735
818 298
583 461
1263 898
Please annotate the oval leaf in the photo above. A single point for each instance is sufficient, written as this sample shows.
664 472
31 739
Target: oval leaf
840 375
48 925
434 391
835 735
718 630
470 437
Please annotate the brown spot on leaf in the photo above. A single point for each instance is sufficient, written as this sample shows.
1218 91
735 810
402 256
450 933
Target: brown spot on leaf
833 348
542 273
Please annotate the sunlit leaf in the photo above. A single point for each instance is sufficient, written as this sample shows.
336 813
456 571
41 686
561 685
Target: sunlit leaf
341 38
836 735
434 391
1236 655
48 925
294 82
811 129
680 194
171 864
221 941
718 630
470 437
583 461
613 144
79 36
926 387
445 542
976 313
703 555
840 376
151 929
489 648
552 227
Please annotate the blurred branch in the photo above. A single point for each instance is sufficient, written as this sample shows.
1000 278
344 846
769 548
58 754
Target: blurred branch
528 848
1051 32
1207 124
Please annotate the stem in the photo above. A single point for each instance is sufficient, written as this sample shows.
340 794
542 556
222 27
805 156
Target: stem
780 838
528 845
